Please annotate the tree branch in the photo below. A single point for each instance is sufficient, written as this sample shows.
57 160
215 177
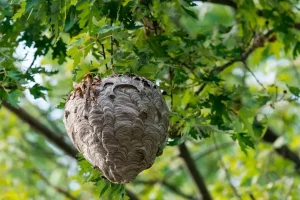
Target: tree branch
42 129
131 195
50 135
58 189
201 186
284 150
221 2
168 186
258 42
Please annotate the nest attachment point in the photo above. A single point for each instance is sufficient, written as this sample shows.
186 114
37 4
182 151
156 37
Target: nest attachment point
118 123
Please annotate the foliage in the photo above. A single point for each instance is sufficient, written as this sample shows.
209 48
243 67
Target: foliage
226 68
106 189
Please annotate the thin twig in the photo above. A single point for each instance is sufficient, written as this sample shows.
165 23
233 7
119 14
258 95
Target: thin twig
185 65
169 186
213 149
171 85
236 193
221 2
58 189
257 80
259 41
104 56
111 47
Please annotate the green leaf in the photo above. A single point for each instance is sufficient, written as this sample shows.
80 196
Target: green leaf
74 72
20 12
296 50
294 90
108 28
244 141
38 91
259 126
104 190
31 4
190 13
157 50
11 97
60 51
71 19
61 104
14 75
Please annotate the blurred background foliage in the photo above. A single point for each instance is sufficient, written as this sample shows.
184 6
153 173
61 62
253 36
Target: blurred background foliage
229 70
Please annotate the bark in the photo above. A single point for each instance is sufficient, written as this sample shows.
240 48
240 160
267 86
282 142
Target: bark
284 150
192 168
42 129
169 186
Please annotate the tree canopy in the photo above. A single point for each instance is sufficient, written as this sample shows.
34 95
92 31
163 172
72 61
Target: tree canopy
228 70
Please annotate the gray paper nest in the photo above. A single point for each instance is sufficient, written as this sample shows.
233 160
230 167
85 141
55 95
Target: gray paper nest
118 123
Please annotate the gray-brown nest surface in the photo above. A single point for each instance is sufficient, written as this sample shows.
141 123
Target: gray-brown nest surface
118 123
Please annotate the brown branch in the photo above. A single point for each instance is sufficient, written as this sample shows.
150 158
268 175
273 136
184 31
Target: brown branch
58 189
259 41
284 150
104 56
192 168
112 47
50 135
252 197
176 190
42 129
169 186
229 3
131 195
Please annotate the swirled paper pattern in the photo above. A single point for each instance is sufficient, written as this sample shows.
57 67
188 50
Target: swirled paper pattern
119 124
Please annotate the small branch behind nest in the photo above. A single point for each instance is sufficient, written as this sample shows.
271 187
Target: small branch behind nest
104 56
112 47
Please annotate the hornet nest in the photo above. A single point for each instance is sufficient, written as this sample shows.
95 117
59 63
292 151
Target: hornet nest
118 123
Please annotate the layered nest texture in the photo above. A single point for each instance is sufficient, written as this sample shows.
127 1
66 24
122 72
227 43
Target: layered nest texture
118 123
